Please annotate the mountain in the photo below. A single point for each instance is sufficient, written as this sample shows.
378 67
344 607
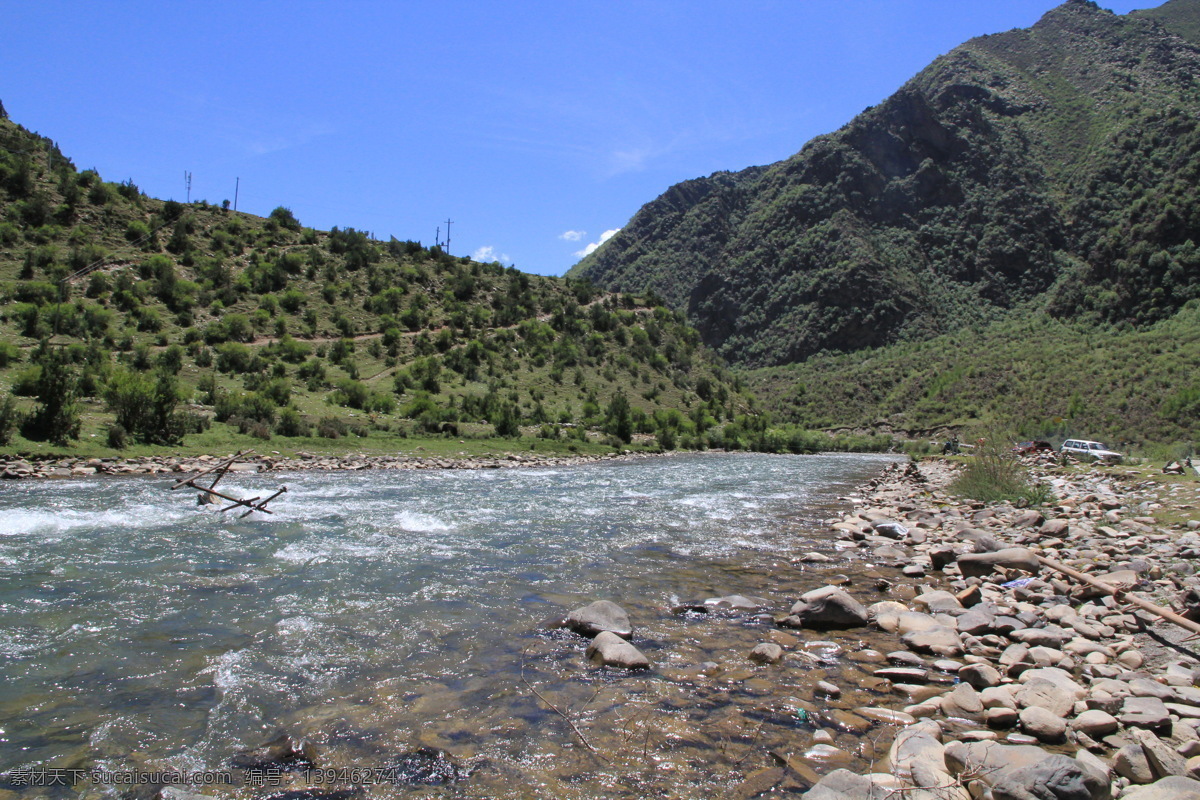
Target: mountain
127 320
1048 170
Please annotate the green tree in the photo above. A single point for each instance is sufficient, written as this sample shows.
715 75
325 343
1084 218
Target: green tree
56 417
145 405
618 421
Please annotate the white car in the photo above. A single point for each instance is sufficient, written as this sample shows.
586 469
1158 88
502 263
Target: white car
1083 448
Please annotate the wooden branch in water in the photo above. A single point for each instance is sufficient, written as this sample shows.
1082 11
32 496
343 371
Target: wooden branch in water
263 505
236 501
224 465
556 710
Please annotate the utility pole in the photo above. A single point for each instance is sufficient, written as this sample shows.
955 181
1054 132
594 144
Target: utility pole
187 181
437 237
236 186
448 221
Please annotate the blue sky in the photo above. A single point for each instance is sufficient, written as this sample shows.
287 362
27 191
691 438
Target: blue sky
535 126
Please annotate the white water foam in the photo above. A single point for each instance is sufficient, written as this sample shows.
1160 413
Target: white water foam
416 522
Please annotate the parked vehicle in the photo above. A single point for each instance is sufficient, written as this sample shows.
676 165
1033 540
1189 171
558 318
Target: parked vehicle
1087 449
1029 448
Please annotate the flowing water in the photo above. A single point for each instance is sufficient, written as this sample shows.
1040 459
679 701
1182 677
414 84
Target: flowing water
377 612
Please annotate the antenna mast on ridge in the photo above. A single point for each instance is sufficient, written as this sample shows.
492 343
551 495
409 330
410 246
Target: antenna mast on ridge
448 221
187 181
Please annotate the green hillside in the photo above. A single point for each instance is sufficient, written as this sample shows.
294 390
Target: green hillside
130 321
1038 377
1056 165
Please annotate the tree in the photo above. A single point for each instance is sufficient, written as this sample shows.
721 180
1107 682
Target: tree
285 218
9 419
56 417
618 421
145 406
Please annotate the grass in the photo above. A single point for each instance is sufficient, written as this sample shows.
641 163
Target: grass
1035 376
993 475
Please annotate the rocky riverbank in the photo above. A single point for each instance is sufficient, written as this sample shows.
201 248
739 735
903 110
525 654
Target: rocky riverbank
988 673
20 468
1012 680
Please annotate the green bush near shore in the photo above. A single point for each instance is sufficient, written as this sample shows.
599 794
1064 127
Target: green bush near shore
994 475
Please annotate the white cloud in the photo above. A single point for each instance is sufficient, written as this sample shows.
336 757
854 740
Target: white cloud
487 254
572 236
604 237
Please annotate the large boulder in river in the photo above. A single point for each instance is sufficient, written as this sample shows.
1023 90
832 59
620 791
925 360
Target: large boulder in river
828 607
281 753
1023 772
842 784
918 757
600 616
613 651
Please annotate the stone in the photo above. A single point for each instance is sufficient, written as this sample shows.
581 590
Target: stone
612 651
842 784
828 689
828 607
963 702
1041 693
885 608
758 782
766 653
1142 687
977 621
1060 678
1002 718
980 676
998 697
282 752
1028 519
1130 763
1057 777
903 674
1049 636
1044 724
892 530
1145 712
981 541
1163 760
981 565
1095 723
885 715
1175 788
1023 772
939 640
1056 528
918 758
600 616
738 602
1131 659
937 602
426 766
911 621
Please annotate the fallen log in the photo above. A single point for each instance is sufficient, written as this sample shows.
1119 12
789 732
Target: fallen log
1124 596
224 465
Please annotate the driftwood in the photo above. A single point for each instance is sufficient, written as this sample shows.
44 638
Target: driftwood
210 494
1124 596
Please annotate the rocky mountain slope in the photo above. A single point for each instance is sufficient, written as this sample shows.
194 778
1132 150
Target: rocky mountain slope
1052 168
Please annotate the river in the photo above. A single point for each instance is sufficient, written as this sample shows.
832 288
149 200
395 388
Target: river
376 612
